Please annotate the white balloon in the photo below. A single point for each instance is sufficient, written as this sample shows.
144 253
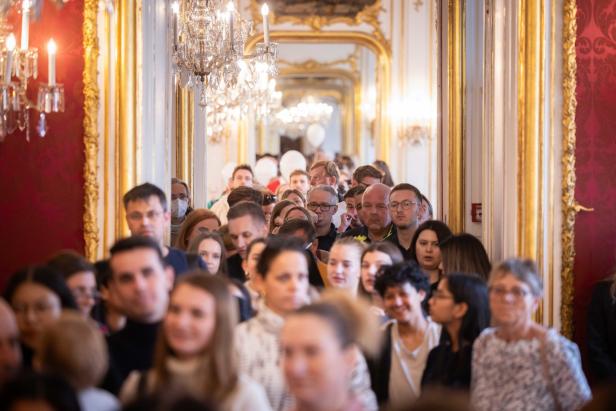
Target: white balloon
227 171
265 170
290 161
315 134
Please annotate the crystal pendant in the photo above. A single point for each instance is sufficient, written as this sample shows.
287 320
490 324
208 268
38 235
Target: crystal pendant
41 126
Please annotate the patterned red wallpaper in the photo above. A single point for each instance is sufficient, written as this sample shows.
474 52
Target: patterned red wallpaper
595 232
41 182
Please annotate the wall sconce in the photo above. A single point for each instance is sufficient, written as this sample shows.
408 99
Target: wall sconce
412 118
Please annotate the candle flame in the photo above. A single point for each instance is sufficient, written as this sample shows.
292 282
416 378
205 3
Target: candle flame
11 42
52 47
264 9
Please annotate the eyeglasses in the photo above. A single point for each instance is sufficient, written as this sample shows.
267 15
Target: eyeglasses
269 198
405 204
324 206
379 207
151 215
517 292
439 295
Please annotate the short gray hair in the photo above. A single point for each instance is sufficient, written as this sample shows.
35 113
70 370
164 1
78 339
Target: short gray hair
523 270
325 188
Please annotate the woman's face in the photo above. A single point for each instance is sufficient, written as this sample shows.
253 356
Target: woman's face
511 301
314 365
83 288
370 266
442 305
285 287
211 252
427 250
296 199
252 259
209 224
190 320
279 219
35 307
343 267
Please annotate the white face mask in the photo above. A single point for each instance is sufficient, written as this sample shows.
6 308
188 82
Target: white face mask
179 207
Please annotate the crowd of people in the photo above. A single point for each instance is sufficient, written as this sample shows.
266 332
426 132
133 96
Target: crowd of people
335 290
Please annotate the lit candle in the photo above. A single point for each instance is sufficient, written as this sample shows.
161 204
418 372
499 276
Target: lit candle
10 48
230 9
51 57
25 22
264 13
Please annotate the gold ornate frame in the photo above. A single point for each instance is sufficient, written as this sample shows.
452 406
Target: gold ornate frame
90 126
383 56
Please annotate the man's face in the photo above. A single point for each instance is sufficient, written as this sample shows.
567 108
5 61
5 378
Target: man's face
147 218
318 177
243 230
353 205
179 192
375 209
322 203
300 182
404 207
140 283
241 178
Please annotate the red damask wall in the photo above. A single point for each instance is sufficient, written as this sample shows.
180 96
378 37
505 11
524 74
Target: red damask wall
41 181
595 232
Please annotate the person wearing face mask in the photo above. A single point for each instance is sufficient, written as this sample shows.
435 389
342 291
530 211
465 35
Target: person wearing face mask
180 206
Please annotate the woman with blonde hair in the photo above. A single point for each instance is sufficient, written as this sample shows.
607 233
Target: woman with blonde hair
75 349
194 352
344 264
320 346
517 363
198 221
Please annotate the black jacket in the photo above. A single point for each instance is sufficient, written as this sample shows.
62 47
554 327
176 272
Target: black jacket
602 333
449 369
380 366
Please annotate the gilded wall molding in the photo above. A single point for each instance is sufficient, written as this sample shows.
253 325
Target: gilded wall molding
569 206
455 93
90 126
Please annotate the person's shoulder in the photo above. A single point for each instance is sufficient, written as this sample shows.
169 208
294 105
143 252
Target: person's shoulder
249 395
353 232
98 399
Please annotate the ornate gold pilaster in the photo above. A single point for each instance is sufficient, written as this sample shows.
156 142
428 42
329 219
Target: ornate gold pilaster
128 140
90 127
569 206
455 143
184 134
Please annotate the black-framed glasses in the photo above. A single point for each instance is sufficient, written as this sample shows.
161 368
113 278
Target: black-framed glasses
322 206
406 204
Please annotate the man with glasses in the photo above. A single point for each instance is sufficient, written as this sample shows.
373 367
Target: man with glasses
323 201
375 215
327 173
404 207
147 215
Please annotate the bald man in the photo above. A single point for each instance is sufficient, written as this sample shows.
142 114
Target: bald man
375 215
10 350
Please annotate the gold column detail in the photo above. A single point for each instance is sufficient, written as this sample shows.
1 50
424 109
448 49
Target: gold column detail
90 128
126 97
455 138
530 121
184 134
568 166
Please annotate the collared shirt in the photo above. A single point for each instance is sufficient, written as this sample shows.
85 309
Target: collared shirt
406 253
326 241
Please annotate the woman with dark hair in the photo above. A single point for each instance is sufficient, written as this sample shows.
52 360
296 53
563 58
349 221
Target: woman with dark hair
34 391
249 265
279 213
282 277
387 178
198 221
268 204
294 195
460 305
194 350
210 246
37 295
425 248
464 253
79 276
374 258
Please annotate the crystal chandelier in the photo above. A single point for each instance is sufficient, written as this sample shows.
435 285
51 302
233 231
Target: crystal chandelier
293 121
209 38
18 66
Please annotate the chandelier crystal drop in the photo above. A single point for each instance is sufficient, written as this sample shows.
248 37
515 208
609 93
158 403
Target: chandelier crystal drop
20 64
